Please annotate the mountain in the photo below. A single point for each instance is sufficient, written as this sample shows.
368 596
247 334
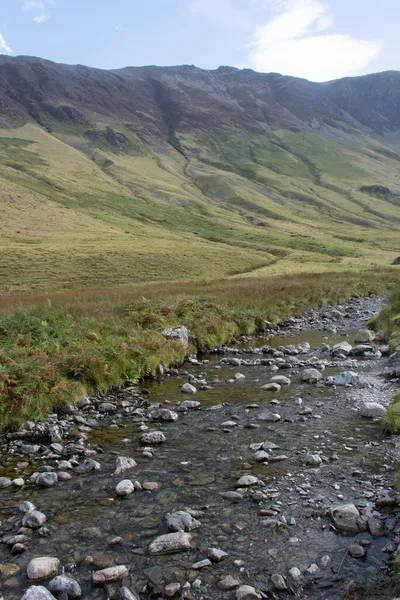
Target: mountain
159 173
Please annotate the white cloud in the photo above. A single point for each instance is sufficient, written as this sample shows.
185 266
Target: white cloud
40 7
4 47
41 19
293 42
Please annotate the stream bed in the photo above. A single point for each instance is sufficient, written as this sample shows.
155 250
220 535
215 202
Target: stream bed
266 529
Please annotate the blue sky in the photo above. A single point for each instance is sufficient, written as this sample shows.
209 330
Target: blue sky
315 39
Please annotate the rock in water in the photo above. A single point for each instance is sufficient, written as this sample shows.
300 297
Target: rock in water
110 574
33 519
37 592
123 463
125 593
271 387
46 480
246 592
188 388
247 481
181 521
356 551
42 568
180 333
170 543
344 378
371 410
310 376
125 488
347 520
65 584
364 336
154 438
5 482
342 348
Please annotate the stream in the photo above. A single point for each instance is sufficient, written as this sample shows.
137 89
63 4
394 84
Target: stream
280 523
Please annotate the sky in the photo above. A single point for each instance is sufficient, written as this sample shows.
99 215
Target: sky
319 40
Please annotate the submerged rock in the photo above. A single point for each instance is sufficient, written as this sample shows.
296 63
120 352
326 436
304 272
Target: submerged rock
170 543
344 378
181 521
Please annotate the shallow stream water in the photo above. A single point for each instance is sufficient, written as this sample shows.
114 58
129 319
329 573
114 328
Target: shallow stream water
202 460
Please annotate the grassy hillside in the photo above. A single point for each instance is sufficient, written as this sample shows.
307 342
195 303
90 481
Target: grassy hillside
79 212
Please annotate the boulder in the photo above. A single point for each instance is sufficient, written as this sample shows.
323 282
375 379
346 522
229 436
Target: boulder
180 333
342 348
42 568
344 378
33 519
110 574
65 584
125 488
37 592
371 410
153 438
310 376
364 336
170 543
246 592
347 520
188 388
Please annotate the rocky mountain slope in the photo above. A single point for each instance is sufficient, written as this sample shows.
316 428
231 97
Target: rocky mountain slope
157 173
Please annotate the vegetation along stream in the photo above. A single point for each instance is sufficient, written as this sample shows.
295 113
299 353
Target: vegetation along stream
289 489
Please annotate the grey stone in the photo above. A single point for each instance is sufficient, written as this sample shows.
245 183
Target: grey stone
88 465
347 520
172 589
371 410
5 482
295 574
228 583
278 582
181 521
188 388
123 463
312 460
261 456
180 333
46 480
42 568
269 416
125 488
342 348
188 405
356 551
26 506
167 415
110 574
271 387
125 593
65 584
33 519
280 379
170 543
364 336
107 408
216 554
37 592
153 438
201 564
310 376
233 496
344 378
247 481
246 592
376 527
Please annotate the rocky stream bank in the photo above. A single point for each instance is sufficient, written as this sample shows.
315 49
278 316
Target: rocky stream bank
258 471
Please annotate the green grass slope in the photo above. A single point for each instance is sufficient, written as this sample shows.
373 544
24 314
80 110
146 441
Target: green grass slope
78 211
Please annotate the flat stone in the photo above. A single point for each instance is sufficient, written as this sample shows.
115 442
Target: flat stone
42 568
150 486
228 583
233 496
8 569
170 543
65 584
216 554
110 574
201 564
